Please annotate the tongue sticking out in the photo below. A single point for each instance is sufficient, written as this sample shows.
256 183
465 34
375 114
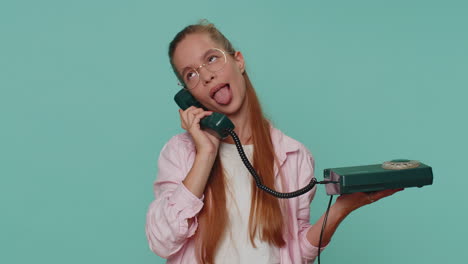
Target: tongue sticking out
223 96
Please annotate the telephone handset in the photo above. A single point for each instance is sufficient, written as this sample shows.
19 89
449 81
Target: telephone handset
223 127
217 122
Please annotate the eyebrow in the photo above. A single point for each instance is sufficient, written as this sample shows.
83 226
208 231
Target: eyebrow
201 57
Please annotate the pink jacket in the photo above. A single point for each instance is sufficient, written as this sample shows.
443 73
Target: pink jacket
167 227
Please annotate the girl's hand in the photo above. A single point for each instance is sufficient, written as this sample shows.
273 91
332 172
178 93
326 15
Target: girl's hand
347 203
204 141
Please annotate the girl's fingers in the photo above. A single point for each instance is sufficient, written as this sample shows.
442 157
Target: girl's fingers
191 111
192 116
199 116
185 114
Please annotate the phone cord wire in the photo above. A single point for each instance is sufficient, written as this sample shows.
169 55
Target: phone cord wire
258 181
323 227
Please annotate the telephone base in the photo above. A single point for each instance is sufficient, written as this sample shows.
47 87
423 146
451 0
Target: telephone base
375 177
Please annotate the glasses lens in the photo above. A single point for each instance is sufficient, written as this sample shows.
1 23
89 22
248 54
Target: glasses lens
191 78
215 60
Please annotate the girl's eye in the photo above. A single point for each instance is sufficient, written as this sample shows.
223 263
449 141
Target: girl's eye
212 59
190 75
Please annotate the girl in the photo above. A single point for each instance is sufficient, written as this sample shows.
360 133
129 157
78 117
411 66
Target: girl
207 209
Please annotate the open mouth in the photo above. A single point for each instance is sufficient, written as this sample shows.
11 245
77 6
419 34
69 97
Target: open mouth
221 94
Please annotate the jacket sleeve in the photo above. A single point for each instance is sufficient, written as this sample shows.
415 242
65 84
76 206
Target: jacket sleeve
306 166
172 217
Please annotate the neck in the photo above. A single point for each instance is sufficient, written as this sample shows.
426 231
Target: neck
241 120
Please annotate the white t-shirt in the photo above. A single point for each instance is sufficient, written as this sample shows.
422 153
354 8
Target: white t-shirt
236 246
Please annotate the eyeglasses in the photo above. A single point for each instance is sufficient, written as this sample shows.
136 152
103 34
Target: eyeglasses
214 61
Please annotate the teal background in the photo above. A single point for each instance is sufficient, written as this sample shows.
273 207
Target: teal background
86 105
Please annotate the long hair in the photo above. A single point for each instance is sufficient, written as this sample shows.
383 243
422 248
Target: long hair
266 219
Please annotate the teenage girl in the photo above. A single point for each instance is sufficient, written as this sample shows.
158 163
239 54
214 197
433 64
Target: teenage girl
207 207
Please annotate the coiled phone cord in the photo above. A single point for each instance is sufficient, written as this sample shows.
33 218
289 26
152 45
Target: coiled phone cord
260 185
258 181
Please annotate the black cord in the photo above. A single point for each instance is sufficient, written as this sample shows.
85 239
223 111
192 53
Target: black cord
258 181
323 226
260 185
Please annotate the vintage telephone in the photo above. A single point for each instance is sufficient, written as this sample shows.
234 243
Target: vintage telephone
223 127
389 175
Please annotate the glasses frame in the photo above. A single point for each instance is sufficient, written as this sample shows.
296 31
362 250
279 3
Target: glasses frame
201 66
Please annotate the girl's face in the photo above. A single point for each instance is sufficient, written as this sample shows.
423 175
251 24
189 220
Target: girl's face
222 91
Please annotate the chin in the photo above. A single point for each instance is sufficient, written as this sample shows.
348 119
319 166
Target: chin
232 109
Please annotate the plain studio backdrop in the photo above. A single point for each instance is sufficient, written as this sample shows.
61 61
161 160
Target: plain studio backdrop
86 104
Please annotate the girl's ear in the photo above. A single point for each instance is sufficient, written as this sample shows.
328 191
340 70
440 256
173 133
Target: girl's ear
239 58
